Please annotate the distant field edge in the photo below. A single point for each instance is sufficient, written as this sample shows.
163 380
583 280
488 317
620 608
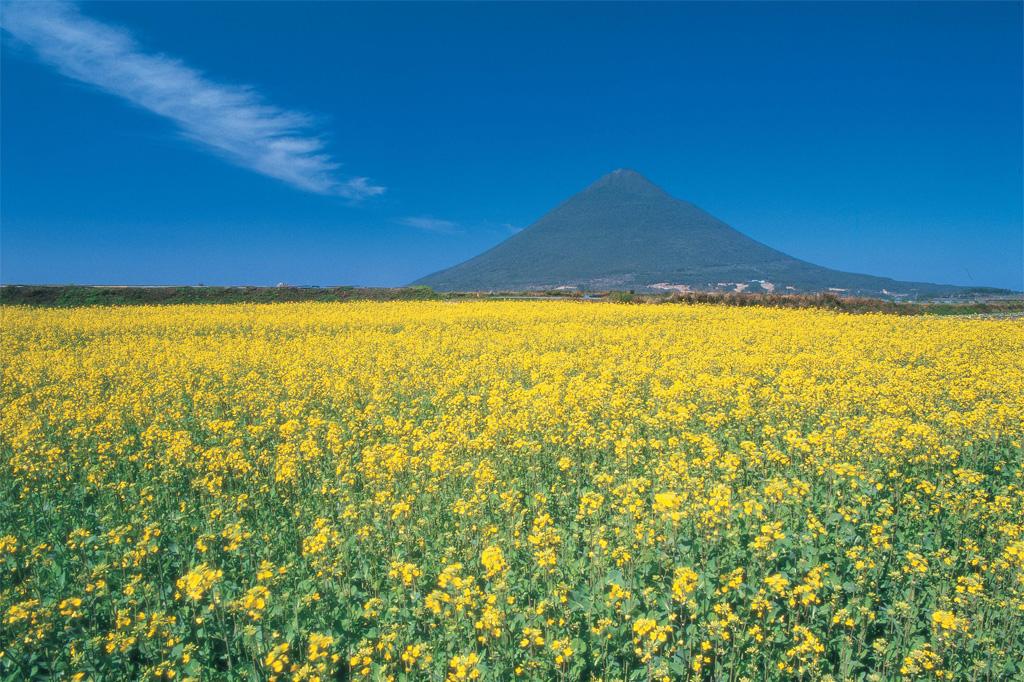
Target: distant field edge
70 296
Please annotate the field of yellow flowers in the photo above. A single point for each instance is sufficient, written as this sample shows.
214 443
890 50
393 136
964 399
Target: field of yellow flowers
509 490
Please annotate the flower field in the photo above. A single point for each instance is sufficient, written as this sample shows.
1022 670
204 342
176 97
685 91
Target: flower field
509 490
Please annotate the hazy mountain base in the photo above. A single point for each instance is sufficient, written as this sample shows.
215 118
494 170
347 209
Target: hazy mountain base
781 277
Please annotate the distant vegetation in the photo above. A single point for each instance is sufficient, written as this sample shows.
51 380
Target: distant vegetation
851 304
72 295
77 296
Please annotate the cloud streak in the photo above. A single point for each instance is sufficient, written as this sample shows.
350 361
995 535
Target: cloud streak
232 121
430 224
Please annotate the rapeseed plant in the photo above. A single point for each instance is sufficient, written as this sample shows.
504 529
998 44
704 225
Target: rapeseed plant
509 490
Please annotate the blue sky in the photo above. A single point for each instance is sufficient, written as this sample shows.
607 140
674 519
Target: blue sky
328 143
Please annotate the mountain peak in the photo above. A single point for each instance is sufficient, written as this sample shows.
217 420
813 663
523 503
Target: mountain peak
625 232
626 180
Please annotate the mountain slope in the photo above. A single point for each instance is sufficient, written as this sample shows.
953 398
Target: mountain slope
624 232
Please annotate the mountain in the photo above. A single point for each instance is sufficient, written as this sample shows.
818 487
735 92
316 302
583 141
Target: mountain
625 232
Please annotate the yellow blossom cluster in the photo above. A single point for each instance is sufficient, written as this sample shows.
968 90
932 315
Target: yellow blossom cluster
509 490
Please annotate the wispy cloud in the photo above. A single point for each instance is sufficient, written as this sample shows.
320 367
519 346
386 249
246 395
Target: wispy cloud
431 224
233 121
428 224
